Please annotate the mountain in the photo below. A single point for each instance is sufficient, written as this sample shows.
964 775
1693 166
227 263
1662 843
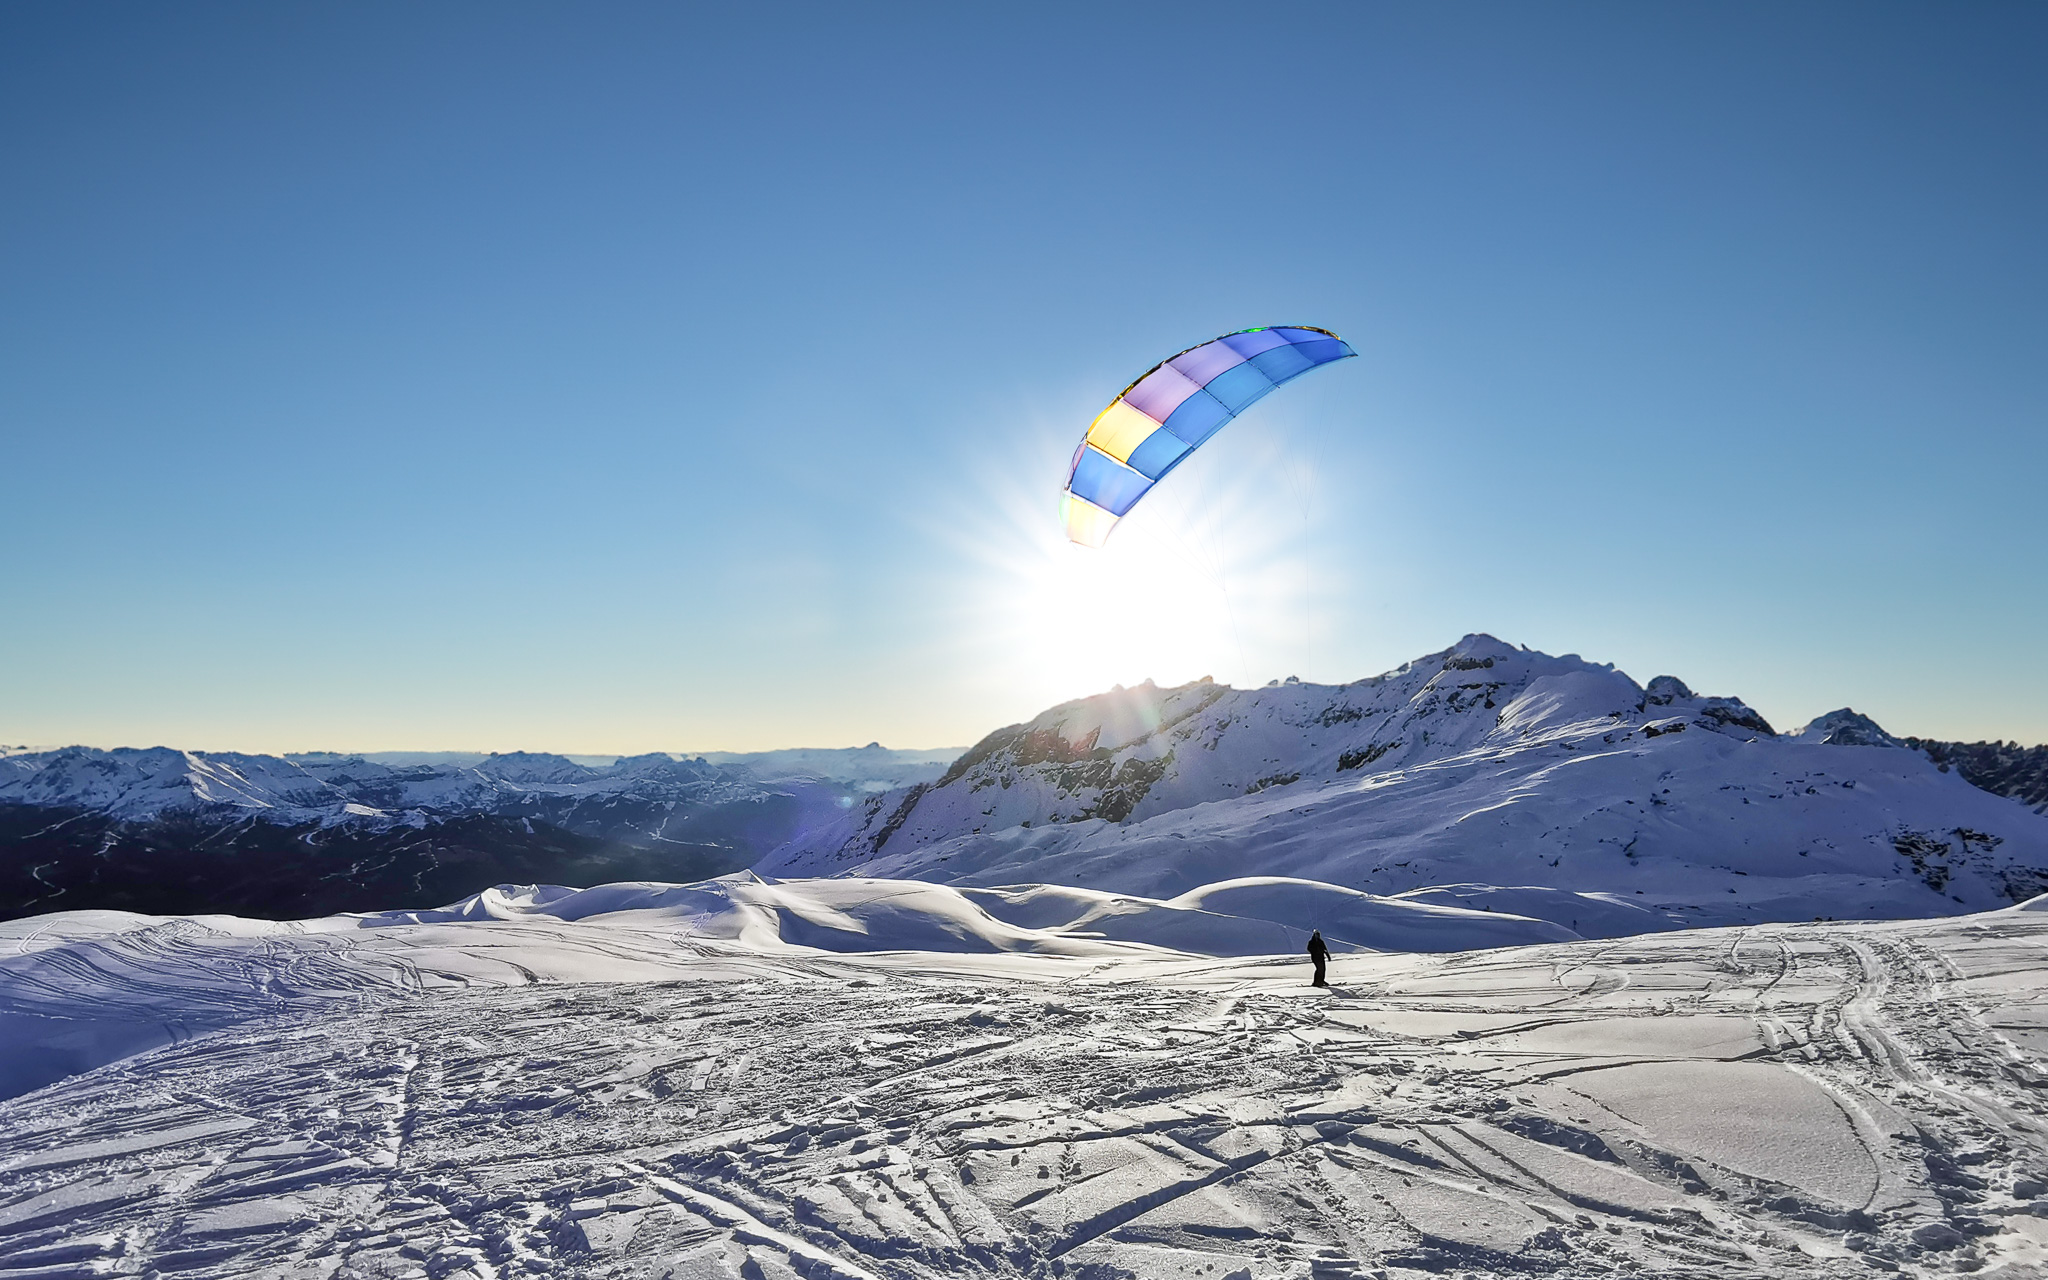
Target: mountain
304 835
1482 776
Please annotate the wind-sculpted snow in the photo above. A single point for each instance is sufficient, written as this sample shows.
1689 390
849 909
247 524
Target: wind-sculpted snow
1481 766
78 989
510 1093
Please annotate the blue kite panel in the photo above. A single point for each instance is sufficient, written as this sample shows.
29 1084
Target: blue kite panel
1198 418
1282 363
1238 388
1324 350
1160 451
1106 483
1250 344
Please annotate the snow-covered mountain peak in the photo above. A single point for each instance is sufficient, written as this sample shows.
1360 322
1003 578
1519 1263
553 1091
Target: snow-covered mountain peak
1483 649
533 767
1845 728
656 766
1484 764
1104 721
1662 691
1130 754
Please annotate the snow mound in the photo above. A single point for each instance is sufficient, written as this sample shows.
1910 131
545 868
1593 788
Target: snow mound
1366 920
827 915
1258 916
1589 915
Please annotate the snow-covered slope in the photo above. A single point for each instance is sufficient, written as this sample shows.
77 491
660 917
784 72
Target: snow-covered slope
515 1093
1481 766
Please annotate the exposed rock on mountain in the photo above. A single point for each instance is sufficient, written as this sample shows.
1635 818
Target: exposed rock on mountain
2003 767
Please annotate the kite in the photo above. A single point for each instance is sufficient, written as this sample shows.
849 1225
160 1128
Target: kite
1169 412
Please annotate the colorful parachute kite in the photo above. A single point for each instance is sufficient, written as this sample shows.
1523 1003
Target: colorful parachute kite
1180 402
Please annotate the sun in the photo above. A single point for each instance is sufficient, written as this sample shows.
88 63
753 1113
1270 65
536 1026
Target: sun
1207 577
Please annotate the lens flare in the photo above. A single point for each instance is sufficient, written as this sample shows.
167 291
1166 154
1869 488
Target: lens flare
1216 579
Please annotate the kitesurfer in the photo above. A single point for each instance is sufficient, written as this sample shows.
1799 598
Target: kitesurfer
1319 952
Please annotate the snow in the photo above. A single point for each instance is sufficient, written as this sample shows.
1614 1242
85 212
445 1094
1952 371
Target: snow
651 1080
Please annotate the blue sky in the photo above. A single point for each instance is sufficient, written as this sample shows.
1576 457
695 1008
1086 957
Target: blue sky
647 377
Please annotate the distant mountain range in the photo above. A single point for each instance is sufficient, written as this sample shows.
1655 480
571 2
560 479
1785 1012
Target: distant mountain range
159 829
1481 776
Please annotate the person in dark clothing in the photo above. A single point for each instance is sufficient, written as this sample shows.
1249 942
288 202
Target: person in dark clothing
1319 952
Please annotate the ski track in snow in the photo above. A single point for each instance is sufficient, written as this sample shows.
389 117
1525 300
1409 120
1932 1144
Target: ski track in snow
1777 1100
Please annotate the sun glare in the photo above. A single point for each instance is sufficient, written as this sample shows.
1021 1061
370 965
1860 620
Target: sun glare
1209 575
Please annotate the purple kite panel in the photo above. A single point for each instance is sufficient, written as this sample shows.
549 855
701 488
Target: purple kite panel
1205 362
1160 392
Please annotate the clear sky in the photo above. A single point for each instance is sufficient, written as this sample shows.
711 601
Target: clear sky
617 377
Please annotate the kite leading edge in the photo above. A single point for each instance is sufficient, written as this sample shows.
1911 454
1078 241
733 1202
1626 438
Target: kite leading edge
1171 410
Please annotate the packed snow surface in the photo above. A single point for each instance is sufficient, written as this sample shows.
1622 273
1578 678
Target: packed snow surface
647 1080
1044 1011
